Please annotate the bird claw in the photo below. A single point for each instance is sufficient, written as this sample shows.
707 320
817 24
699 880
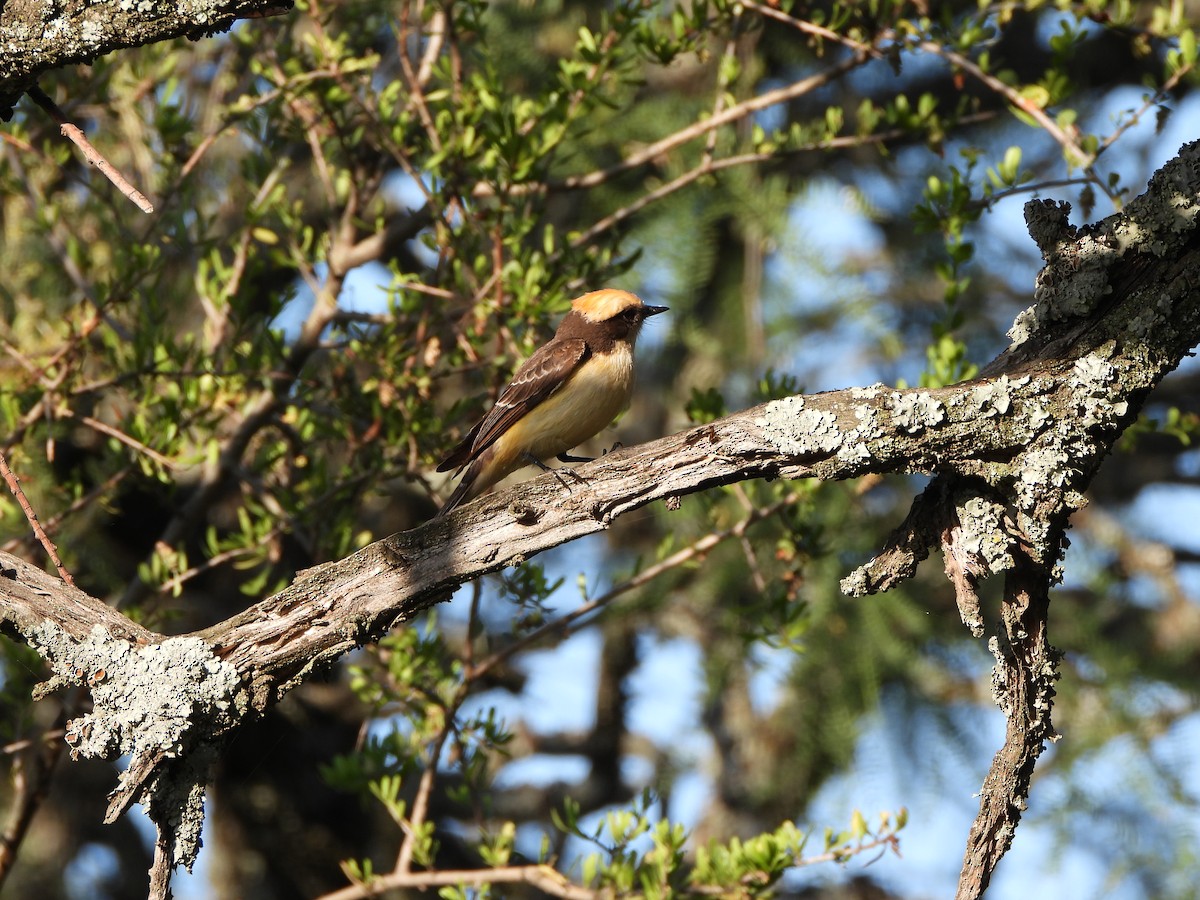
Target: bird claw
560 474
568 458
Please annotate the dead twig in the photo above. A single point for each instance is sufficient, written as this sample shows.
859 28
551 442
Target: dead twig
14 485
91 154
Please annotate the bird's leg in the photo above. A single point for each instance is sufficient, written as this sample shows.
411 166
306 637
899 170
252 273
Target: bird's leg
534 461
616 446
558 473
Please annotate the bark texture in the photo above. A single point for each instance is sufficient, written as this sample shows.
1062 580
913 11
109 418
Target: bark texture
38 35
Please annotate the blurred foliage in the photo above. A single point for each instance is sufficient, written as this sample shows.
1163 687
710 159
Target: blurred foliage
367 213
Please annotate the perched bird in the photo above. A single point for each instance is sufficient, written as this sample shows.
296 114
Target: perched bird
569 390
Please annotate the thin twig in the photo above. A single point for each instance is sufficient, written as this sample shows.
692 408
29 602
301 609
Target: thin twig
544 878
710 144
436 36
91 154
47 737
1083 159
213 562
416 95
131 442
420 806
160 870
988 202
1153 100
54 522
820 31
14 485
710 166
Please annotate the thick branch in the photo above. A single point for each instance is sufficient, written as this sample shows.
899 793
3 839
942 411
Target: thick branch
38 37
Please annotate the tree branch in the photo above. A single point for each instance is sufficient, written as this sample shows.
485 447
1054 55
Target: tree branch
37 38
1023 687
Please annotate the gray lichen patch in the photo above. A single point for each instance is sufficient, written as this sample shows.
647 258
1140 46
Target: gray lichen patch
856 444
870 392
145 698
982 535
1050 467
914 413
1037 415
857 583
854 449
798 431
1168 209
994 398
1092 377
1043 468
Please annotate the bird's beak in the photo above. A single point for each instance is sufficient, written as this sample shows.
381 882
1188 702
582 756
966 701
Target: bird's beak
653 310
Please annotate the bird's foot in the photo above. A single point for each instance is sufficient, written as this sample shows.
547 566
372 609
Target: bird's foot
560 474
568 458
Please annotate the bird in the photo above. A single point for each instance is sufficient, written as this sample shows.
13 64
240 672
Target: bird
567 392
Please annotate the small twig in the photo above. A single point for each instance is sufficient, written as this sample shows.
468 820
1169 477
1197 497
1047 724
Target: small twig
710 166
1083 159
131 442
820 31
48 737
416 96
54 522
883 842
160 870
433 49
420 806
213 562
1153 100
14 485
544 878
243 111
472 624
710 143
988 202
90 153
760 582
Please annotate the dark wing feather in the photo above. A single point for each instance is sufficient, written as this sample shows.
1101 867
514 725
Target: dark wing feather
541 375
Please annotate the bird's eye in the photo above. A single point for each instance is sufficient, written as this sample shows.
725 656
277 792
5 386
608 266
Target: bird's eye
630 313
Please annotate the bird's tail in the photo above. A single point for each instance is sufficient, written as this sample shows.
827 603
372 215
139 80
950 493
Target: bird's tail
462 493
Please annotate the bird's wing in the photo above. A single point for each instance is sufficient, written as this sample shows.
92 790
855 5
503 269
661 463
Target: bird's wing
541 375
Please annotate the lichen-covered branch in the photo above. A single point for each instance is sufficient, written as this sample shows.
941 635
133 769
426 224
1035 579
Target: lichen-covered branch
1023 687
38 37
1117 307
